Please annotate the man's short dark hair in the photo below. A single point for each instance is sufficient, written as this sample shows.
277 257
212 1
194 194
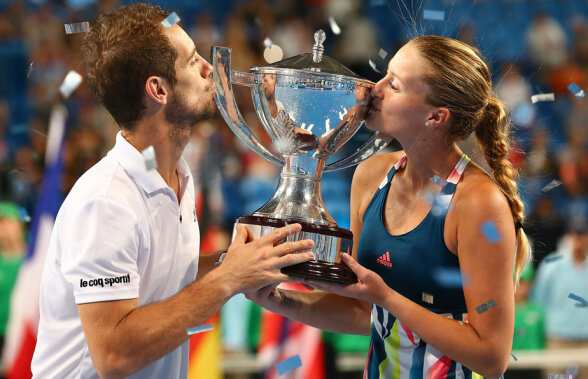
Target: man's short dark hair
121 50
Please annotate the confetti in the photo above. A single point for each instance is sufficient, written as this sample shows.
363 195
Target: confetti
30 70
170 20
41 133
24 215
273 53
149 157
553 259
373 66
382 53
583 302
486 306
542 97
439 203
551 185
524 114
288 364
449 277
433 15
334 27
427 298
490 232
575 90
78 27
267 42
438 181
199 329
70 83
513 356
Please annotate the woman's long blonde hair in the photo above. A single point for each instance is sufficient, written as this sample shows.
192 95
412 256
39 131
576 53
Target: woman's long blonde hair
460 81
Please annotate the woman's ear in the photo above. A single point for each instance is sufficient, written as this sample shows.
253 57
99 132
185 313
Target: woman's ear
438 116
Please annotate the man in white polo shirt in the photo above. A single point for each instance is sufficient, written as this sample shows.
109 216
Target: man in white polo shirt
124 278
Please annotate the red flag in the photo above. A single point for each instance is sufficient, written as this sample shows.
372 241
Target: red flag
282 338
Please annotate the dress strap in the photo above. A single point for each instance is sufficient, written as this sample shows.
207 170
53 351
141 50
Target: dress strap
455 175
401 162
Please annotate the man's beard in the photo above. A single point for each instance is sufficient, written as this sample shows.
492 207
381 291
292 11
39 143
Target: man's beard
183 118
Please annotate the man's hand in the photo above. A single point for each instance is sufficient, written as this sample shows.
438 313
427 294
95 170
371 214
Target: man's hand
253 264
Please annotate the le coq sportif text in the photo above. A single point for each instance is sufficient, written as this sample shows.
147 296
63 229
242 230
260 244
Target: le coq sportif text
105 281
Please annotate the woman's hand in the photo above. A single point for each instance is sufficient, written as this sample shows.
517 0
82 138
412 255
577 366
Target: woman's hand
369 287
264 296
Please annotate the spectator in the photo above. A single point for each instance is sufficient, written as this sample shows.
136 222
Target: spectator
529 332
545 227
546 41
12 249
561 273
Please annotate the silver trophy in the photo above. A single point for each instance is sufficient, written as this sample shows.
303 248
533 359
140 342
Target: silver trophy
309 105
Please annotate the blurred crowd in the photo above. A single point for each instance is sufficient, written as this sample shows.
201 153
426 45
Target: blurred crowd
533 47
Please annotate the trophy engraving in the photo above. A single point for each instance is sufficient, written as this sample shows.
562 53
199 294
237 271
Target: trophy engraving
309 105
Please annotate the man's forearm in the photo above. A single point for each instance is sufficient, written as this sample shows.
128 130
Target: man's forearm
146 334
207 262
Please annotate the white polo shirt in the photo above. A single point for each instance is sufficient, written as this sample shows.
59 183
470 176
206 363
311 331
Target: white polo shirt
120 234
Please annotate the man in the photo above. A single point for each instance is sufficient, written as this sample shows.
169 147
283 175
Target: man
560 274
118 289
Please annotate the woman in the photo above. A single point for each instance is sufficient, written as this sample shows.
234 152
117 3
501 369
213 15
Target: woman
437 91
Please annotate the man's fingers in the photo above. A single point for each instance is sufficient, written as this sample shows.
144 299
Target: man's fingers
250 237
294 259
292 247
283 232
241 235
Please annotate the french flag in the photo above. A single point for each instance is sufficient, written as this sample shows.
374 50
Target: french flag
282 338
24 308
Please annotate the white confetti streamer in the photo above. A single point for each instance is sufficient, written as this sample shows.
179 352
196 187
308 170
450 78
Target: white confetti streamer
170 20
383 53
199 329
71 82
373 66
149 158
334 27
78 27
542 97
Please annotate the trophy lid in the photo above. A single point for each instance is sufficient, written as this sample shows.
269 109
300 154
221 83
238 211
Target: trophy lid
314 62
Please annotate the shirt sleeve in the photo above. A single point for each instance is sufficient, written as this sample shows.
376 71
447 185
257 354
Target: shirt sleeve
100 250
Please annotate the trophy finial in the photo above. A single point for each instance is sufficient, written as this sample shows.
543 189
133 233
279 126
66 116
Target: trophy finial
317 48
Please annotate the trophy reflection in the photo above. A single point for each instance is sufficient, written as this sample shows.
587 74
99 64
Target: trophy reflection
310 106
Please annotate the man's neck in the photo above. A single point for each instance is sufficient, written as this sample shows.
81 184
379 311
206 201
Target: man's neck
167 152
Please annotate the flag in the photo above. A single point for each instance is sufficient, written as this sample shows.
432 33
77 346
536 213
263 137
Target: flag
282 338
206 347
205 352
23 321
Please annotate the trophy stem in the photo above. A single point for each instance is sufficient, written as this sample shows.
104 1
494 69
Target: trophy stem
298 196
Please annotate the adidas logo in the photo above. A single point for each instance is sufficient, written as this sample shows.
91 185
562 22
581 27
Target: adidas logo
385 259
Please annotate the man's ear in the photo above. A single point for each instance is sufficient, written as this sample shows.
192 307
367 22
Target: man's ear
438 116
156 89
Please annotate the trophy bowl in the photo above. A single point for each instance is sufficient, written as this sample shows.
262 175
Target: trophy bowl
310 105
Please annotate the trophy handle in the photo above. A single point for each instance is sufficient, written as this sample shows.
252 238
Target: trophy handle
369 148
225 100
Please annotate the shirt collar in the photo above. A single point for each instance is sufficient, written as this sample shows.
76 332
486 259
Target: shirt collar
132 161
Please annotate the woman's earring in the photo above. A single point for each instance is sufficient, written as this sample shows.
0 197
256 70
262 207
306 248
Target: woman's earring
427 123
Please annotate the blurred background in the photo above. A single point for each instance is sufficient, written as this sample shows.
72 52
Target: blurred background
532 47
